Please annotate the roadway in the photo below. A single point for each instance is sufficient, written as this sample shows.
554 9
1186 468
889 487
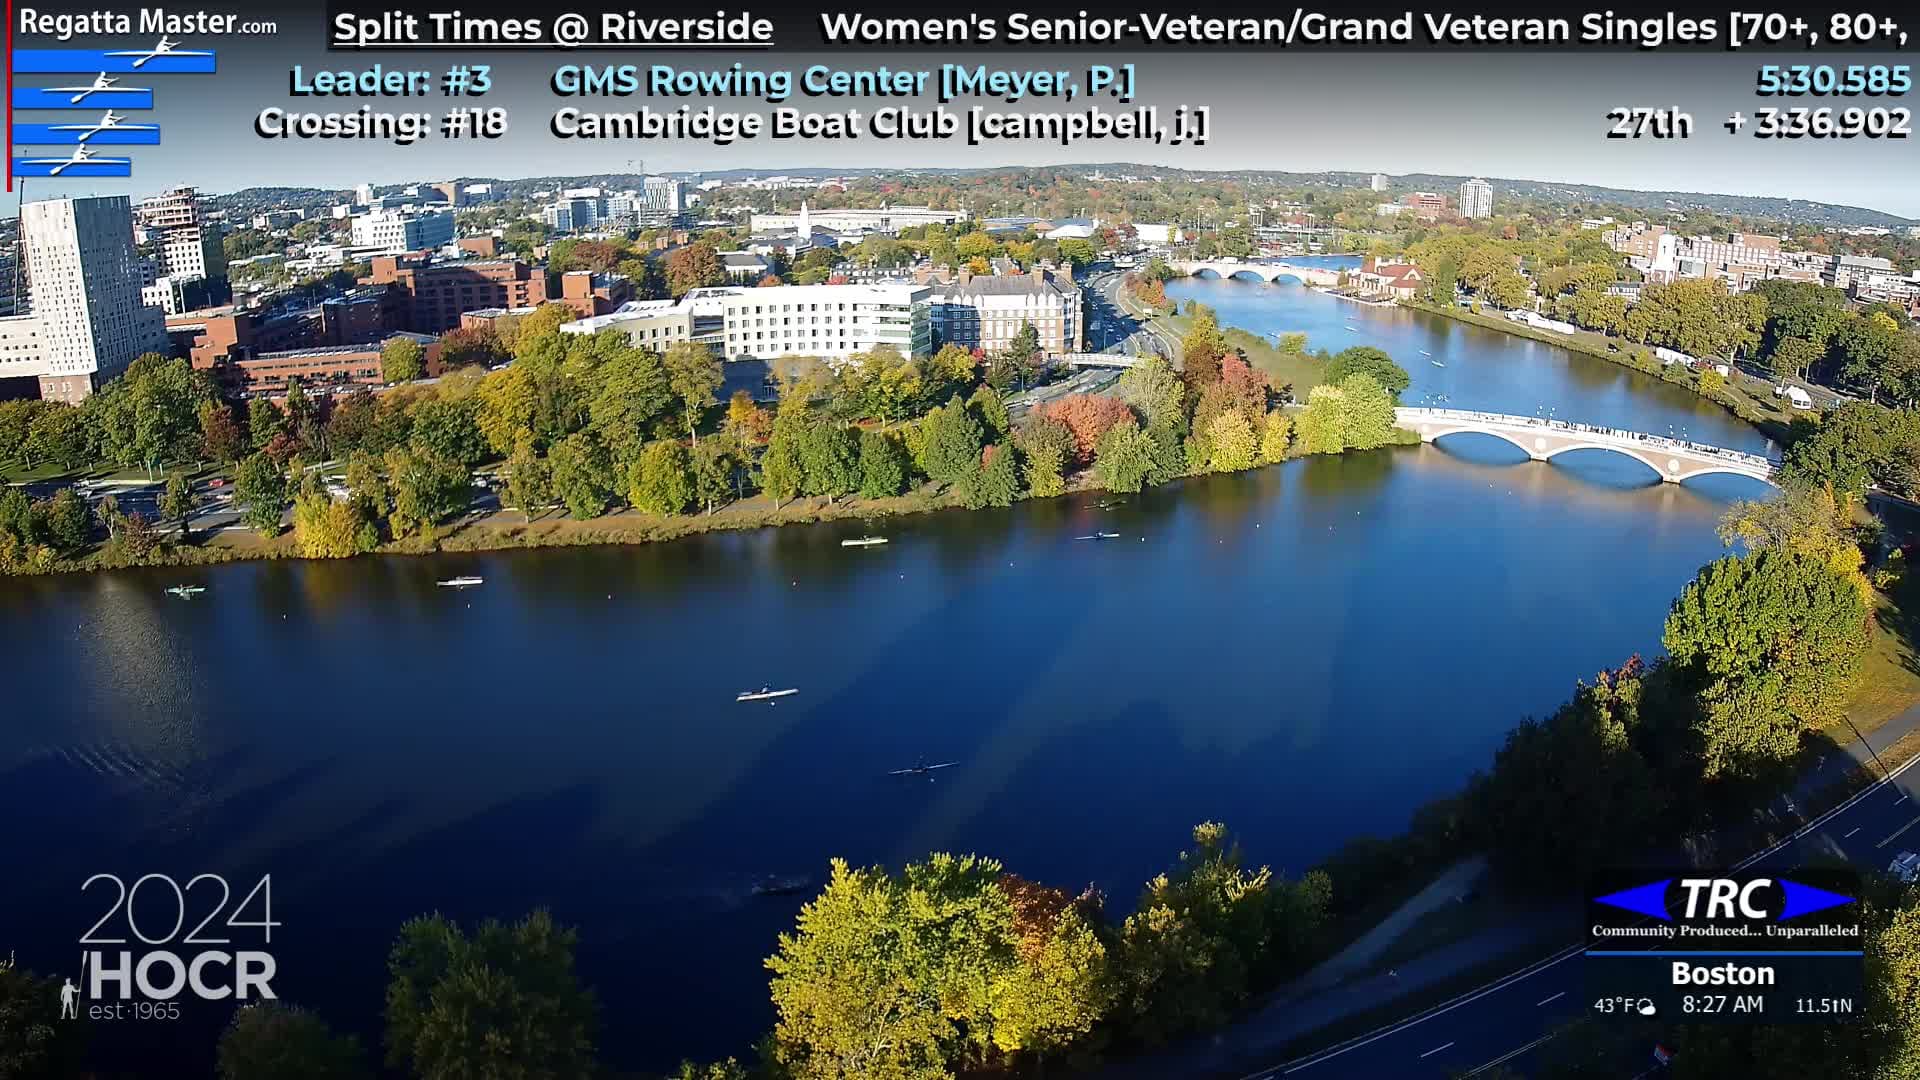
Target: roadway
1508 1021
1113 326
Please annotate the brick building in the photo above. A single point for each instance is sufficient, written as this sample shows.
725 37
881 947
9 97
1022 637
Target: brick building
437 292
590 294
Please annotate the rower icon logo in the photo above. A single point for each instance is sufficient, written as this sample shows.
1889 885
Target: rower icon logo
1758 898
97 81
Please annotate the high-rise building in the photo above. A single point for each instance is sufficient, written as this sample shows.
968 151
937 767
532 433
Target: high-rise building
185 250
664 193
86 321
1476 199
398 232
1379 182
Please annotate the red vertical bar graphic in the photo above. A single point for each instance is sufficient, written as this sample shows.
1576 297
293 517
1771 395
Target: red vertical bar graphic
9 95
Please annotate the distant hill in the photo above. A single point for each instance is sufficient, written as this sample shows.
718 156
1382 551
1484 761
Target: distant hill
1795 211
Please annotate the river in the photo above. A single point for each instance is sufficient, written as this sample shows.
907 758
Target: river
1306 652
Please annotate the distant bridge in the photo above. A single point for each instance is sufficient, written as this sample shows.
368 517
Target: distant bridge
1265 271
1676 460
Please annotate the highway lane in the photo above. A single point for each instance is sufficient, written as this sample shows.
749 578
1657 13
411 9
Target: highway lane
1509 1021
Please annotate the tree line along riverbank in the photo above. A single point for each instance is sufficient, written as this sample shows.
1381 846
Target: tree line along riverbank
630 445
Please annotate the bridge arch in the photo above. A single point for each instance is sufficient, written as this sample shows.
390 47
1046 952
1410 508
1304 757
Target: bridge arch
1664 467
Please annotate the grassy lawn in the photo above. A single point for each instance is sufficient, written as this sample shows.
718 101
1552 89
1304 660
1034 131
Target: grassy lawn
1450 923
1890 673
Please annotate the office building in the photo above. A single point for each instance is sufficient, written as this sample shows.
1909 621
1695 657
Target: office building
979 311
1379 182
574 213
1425 204
437 291
86 320
1476 199
398 231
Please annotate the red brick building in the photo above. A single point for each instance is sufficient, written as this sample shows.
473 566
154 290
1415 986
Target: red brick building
332 367
437 292
590 294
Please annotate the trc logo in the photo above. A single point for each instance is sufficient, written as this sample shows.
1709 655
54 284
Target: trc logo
1757 898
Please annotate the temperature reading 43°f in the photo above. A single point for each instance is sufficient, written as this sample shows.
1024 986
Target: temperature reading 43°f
1644 122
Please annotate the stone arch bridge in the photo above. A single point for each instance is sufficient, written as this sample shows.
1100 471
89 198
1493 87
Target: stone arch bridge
1265 271
1675 460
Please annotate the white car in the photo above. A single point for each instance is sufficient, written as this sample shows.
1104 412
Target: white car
1906 867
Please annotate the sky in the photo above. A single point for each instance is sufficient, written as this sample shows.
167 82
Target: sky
1536 116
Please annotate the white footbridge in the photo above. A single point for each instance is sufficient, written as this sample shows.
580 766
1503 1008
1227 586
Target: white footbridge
1676 460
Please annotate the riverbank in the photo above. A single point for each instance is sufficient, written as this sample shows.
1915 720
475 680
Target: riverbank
1744 396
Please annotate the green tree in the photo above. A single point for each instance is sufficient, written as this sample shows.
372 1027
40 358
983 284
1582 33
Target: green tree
1204 937
716 473
265 422
582 475
953 442
426 489
528 484
1276 436
987 407
449 429
1154 390
1235 447
918 975
1768 645
999 483
1371 361
327 529
1077 251
830 460
503 1003
177 501
271 1040
1123 457
1202 349
260 488
69 521
664 482
1570 794
694 373
402 359
1047 446
367 485
883 465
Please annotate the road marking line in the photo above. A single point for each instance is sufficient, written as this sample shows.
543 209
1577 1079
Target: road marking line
1896 833
1850 833
1514 1053
1555 997
1435 1050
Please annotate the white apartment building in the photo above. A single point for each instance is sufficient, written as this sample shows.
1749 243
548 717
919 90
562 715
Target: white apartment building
1378 182
987 311
1476 199
87 322
828 321
887 219
396 232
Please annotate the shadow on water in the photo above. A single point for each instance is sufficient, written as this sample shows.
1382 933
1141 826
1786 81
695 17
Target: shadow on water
1307 652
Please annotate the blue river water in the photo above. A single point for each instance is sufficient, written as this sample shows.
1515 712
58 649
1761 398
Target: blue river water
1307 652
